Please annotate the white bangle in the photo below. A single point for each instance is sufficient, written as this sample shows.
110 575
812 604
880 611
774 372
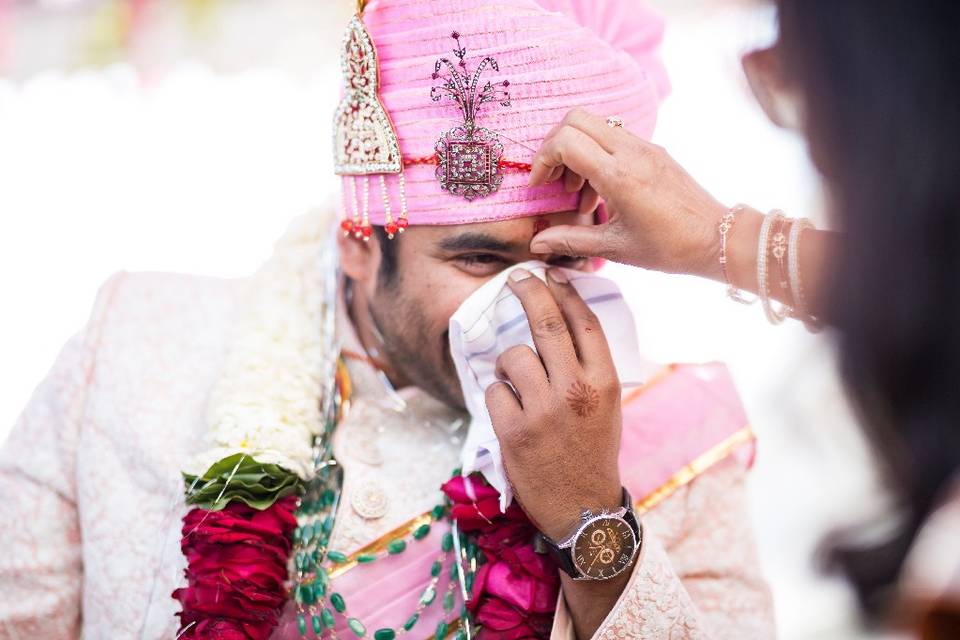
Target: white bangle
775 316
801 310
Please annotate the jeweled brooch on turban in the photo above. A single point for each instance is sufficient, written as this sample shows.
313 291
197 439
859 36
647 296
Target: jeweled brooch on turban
468 156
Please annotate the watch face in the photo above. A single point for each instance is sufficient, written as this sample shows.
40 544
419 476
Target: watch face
604 548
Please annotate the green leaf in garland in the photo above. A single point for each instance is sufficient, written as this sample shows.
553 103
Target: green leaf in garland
240 477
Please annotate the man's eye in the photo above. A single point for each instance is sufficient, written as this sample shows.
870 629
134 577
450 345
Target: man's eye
481 259
481 265
570 262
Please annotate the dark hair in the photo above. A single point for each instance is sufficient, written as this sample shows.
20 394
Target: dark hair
881 82
388 256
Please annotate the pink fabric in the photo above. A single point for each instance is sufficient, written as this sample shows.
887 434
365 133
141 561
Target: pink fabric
556 54
674 421
677 419
385 593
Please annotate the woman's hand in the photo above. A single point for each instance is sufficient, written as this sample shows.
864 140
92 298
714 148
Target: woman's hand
659 217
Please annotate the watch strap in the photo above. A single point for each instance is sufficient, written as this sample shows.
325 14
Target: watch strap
562 557
631 517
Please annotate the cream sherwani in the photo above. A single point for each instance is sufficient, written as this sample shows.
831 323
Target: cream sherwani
92 492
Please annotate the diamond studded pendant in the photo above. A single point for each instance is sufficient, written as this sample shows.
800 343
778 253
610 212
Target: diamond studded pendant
468 156
469 162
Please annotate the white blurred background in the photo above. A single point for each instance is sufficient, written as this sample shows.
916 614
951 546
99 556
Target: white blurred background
182 135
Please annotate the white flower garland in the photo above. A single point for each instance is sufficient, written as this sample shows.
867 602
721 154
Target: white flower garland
266 403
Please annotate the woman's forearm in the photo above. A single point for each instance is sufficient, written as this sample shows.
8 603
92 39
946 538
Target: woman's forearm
815 250
660 218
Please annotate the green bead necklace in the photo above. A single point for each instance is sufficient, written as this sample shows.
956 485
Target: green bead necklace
313 560
317 611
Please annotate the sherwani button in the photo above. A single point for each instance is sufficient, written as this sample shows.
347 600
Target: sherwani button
369 500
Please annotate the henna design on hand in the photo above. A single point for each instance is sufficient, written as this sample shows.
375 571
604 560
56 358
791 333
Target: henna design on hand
583 399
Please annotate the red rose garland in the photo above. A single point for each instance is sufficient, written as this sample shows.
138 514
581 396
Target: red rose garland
515 592
236 569
237 566
265 415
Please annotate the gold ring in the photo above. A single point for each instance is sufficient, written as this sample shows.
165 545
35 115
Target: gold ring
615 122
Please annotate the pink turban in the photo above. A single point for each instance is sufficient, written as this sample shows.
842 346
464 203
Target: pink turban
600 55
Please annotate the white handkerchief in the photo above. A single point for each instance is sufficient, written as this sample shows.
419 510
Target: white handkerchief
492 320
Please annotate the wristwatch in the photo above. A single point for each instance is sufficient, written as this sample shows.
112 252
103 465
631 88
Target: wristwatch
603 546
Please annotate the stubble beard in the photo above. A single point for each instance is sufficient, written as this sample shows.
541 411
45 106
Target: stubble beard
408 345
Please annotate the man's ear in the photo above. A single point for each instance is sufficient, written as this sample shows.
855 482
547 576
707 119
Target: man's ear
359 260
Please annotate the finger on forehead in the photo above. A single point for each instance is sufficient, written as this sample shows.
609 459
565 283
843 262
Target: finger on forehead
556 173
597 127
584 219
572 182
550 333
593 350
589 200
575 150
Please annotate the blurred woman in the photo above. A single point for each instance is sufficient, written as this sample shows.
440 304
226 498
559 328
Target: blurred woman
874 87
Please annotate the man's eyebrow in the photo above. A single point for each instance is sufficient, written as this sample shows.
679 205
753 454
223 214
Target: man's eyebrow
472 241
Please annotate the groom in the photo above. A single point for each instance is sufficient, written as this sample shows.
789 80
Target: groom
637 499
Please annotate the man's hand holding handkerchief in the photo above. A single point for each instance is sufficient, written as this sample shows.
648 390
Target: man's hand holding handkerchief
586 342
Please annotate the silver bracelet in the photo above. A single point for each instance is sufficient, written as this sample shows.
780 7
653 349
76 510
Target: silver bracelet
775 316
726 225
801 310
